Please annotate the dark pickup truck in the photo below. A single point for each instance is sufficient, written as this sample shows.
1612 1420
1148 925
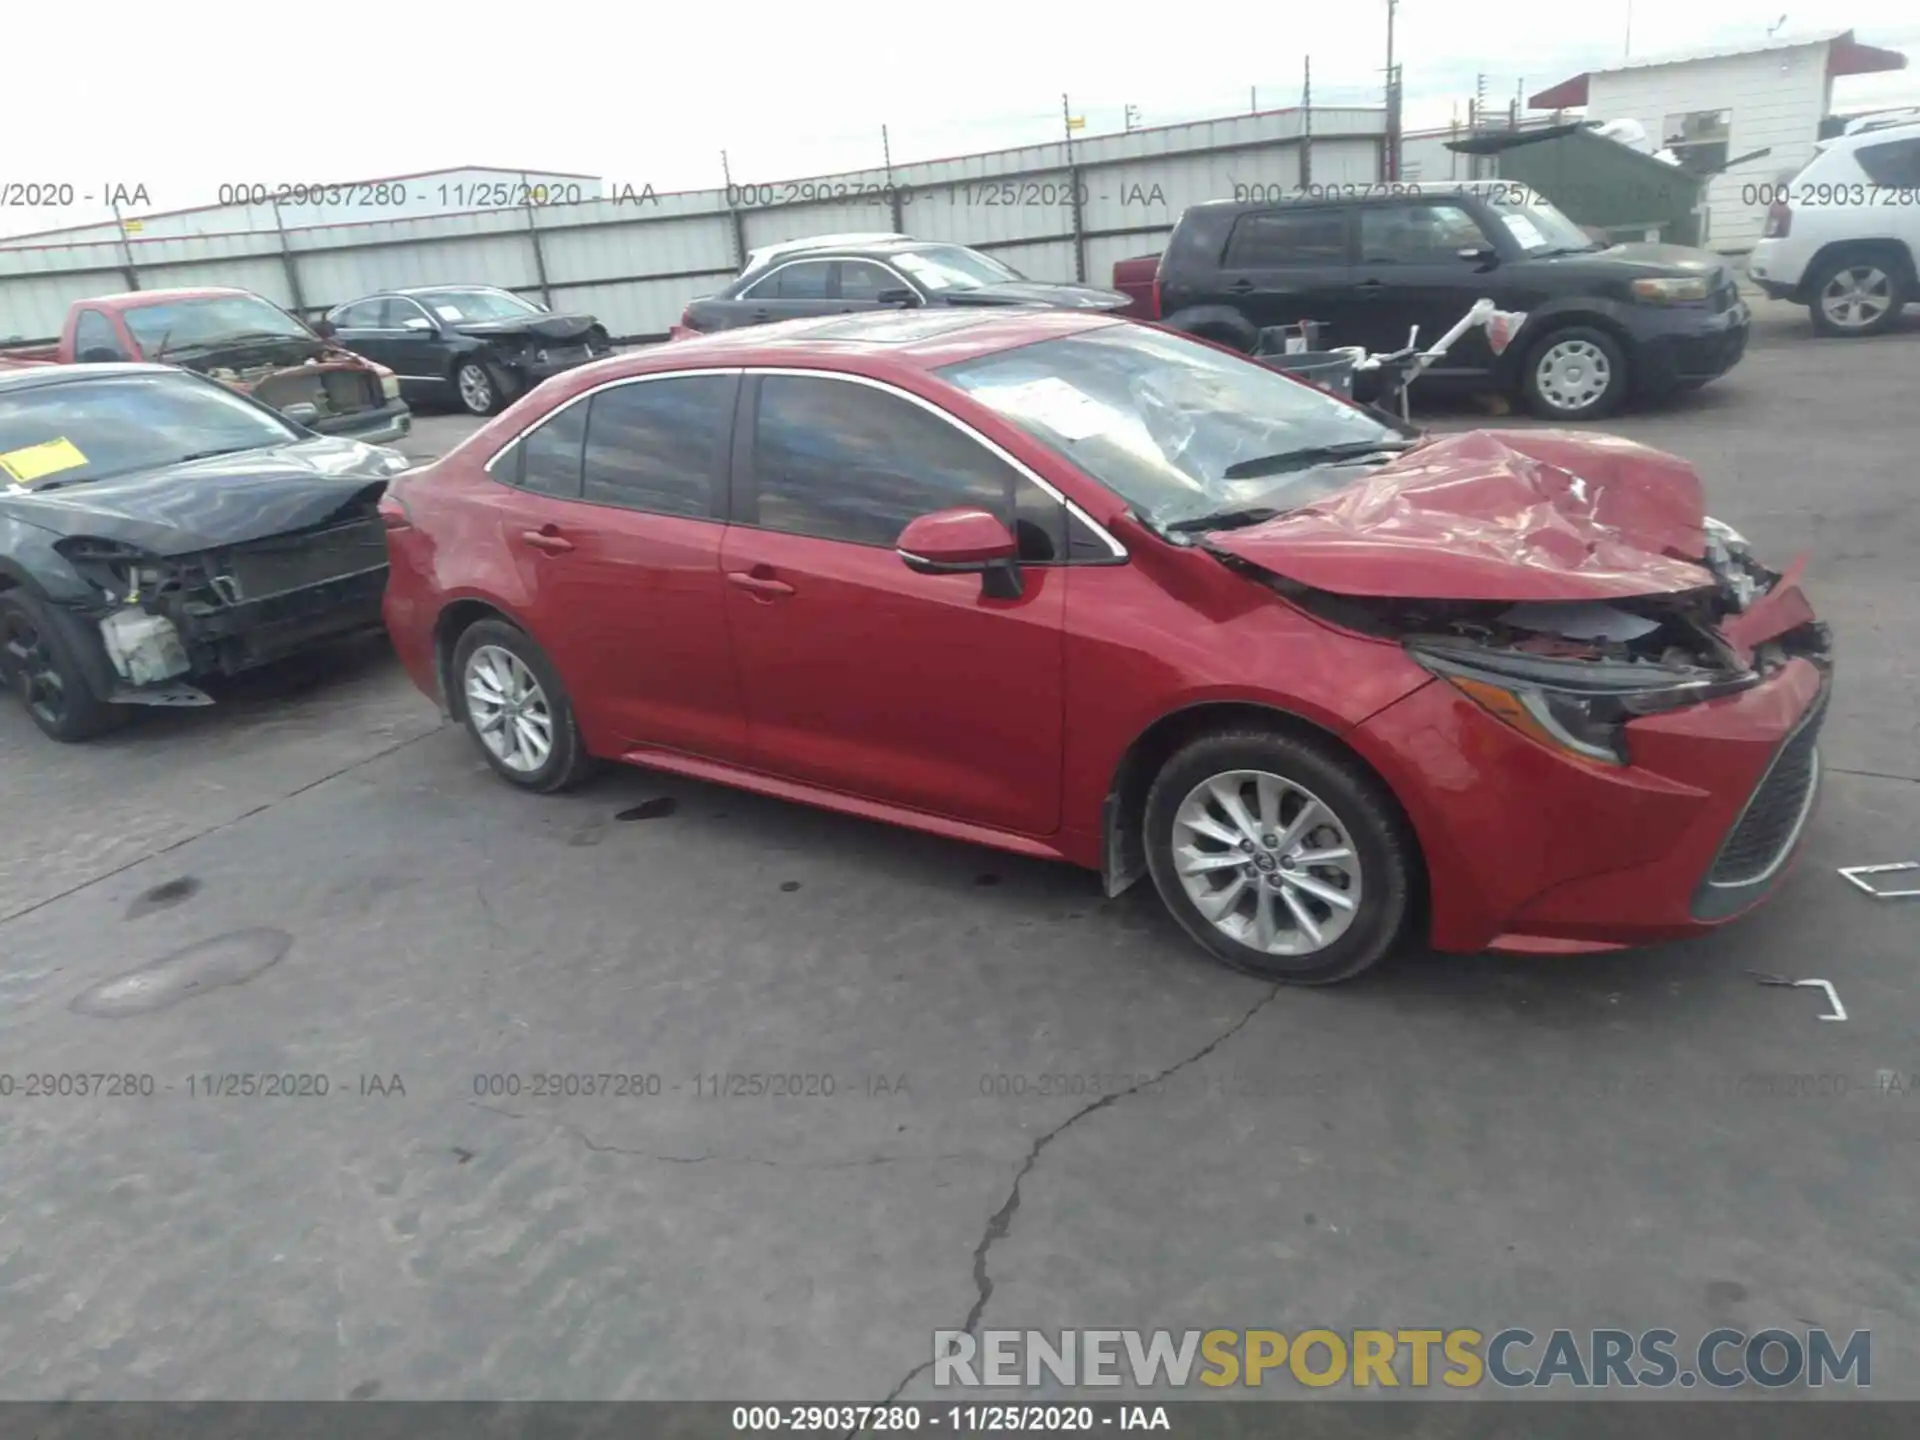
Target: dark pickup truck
244 341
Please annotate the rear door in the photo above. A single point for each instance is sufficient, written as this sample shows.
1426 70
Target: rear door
786 292
1410 271
1285 265
614 523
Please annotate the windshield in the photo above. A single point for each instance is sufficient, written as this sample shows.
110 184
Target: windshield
457 305
53 435
1159 419
1537 226
953 267
183 324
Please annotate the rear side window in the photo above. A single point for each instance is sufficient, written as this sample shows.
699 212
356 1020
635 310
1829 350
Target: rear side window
1895 163
656 445
94 332
1275 239
547 460
803 280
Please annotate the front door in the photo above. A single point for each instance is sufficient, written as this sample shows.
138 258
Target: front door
861 675
1411 271
614 526
787 292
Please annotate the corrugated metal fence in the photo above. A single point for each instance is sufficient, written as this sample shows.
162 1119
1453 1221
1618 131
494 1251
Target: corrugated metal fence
1062 211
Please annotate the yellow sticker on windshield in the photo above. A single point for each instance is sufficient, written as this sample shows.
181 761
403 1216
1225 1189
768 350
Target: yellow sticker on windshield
36 462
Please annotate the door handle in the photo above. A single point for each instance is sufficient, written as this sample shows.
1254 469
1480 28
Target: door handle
1370 289
764 586
1241 287
762 315
547 538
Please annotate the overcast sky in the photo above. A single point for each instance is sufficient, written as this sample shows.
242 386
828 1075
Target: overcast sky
181 98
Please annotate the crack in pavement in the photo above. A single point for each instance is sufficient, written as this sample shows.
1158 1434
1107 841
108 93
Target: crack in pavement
587 1140
1001 1221
1872 774
185 840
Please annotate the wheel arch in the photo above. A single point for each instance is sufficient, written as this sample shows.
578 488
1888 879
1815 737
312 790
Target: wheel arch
1530 339
1834 250
1123 848
454 620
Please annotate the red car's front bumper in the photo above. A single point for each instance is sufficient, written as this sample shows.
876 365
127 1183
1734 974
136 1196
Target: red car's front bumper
1528 849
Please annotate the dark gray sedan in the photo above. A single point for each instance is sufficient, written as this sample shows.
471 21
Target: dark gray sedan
902 274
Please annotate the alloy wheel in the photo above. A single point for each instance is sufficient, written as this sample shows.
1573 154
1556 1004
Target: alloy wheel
476 389
33 669
508 710
1266 862
1856 297
1573 374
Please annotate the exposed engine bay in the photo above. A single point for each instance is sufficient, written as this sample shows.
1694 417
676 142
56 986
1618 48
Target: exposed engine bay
293 371
163 620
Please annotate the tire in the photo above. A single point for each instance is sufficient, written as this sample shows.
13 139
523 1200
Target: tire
479 387
1574 373
1381 867
39 665
1879 288
492 651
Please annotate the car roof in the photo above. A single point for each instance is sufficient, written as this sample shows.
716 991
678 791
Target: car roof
444 289
1385 196
37 375
1874 134
921 339
860 249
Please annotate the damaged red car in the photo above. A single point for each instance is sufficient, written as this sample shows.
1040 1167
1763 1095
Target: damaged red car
1084 589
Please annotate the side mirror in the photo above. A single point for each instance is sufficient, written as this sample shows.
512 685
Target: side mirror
963 542
416 323
903 298
324 329
301 413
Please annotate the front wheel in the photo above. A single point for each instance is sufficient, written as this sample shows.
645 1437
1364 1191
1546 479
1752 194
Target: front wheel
38 664
480 388
1282 858
1578 373
516 710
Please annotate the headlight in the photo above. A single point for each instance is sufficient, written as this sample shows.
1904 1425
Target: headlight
390 386
1579 707
1670 290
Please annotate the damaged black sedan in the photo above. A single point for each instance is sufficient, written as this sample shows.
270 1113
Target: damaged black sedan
157 529
476 347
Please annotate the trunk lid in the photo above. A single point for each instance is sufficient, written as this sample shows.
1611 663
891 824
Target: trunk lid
1497 515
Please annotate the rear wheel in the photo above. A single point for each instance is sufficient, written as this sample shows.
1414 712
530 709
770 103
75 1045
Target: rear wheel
1858 294
38 663
516 710
1280 857
1578 373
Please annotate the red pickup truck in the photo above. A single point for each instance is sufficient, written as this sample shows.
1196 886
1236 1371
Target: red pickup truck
1137 277
242 340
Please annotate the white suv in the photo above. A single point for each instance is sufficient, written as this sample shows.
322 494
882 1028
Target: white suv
1842 236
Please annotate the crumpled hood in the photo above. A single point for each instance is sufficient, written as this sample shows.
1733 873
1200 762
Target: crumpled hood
1039 292
544 327
1497 515
225 500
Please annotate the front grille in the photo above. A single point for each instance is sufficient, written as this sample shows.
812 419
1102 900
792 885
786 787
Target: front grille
1771 821
272 567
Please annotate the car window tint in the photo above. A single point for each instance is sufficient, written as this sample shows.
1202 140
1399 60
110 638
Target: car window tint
654 445
1039 524
1896 163
398 312
1417 234
806 280
93 331
863 280
550 456
363 315
848 462
1270 238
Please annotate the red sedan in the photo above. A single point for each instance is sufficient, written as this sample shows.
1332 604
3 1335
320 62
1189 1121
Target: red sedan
1080 588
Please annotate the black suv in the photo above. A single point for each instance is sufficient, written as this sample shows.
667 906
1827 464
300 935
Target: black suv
1603 321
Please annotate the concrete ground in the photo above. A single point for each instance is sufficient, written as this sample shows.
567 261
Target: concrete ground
1451 1141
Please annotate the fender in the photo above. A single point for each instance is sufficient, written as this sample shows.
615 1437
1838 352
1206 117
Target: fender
1557 314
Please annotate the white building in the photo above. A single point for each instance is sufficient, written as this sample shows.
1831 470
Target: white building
1725 108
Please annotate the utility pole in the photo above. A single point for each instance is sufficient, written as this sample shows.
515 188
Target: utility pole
1626 49
1073 184
1306 123
1132 117
1392 156
893 195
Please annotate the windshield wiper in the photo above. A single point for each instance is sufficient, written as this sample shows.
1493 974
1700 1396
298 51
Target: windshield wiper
1221 520
209 454
1313 455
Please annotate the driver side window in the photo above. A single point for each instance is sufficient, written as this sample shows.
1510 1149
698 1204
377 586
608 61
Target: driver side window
1417 234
